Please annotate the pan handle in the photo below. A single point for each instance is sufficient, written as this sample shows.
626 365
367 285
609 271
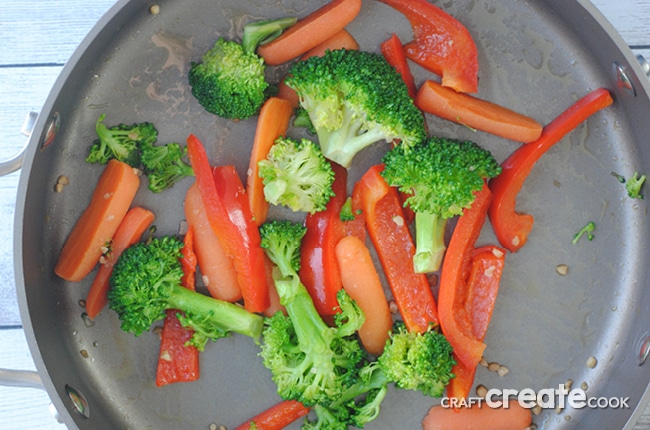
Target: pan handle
14 163
25 379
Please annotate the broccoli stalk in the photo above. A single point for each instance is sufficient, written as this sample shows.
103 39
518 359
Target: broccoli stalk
296 174
146 281
354 99
310 361
164 165
121 142
229 80
634 184
412 361
440 176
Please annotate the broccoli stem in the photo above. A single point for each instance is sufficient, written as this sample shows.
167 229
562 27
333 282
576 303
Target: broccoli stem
260 32
342 144
308 324
214 313
429 242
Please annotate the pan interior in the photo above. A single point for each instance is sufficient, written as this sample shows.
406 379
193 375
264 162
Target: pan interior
545 325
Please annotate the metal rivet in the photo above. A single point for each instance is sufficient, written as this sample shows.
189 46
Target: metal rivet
51 129
78 401
622 78
643 349
645 66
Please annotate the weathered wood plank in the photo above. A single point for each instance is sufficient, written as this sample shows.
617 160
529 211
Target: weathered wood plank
40 32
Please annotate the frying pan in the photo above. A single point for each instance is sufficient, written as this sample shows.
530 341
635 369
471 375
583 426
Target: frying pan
536 57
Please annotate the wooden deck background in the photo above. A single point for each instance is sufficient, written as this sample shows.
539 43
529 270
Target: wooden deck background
36 39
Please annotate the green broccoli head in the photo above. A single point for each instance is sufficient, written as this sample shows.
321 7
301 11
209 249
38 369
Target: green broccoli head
146 281
296 174
418 361
354 99
121 142
229 82
164 165
440 177
309 361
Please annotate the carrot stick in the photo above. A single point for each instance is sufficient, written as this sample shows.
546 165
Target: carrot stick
361 281
341 40
308 32
216 266
479 114
276 417
483 417
135 222
272 122
95 228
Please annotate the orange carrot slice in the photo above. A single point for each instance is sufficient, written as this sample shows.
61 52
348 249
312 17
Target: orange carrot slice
96 226
135 222
341 40
483 417
308 32
272 123
216 266
361 281
479 114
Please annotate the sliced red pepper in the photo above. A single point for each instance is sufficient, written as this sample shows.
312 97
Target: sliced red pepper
512 228
176 361
277 416
455 320
381 207
319 270
393 51
244 251
232 193
441 44
483 285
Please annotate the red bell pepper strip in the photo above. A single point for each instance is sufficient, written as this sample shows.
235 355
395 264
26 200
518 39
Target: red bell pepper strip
393 51
243 250
277 416
455 320
232 193
483 285
178 362
441 44
512 228
381 207
319 269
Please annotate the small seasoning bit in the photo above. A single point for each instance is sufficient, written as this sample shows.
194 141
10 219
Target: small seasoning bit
63 180
558 410
183 227
591 362
568 384
515 241
206 280
497 252
392 306
493 367
84 353
503 371
82 303
158 330
483 362
154 9
165 355
537 409
212 426
398 220
58 188
481 391
584 386
562 269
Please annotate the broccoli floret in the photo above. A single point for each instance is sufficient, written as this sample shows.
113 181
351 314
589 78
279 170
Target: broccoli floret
164 165
412 361
310 361
587 229
229 80
296 174
634 184
121 142
354 99
146 281
301 119
440 176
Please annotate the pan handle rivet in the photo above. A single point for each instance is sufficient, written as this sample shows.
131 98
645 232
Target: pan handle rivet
51 130
644 349
622 79
79 402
